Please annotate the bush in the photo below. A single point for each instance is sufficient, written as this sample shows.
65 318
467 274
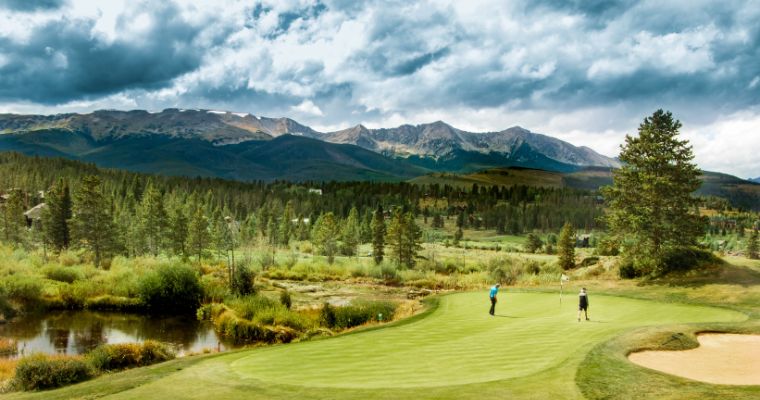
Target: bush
26 291
44 372
242 280
228 324
627 270
62 274
285 299
114 357
687 258
113 303
172 288
327 315
358 313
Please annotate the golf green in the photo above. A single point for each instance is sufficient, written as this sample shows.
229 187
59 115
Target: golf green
531 348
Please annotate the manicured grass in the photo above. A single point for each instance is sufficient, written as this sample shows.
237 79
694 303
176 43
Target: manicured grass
532 349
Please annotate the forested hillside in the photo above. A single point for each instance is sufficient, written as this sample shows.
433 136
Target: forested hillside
150 214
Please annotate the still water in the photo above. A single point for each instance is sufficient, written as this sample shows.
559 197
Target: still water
78 332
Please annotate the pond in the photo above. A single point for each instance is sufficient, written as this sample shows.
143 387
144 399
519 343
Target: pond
78 332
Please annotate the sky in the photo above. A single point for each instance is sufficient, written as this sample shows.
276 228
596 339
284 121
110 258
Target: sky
585 71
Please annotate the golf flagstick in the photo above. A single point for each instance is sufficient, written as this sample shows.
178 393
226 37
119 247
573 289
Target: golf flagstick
564 278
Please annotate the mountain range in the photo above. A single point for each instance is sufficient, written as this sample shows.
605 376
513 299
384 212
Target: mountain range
244 146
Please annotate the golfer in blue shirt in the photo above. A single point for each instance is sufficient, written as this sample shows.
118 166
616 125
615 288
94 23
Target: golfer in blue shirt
492 294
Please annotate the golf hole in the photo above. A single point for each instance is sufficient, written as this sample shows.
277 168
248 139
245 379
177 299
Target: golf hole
725 359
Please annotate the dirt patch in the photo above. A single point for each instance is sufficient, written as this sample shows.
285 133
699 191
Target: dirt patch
726 359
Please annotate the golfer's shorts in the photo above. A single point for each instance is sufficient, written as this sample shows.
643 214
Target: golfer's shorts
582 308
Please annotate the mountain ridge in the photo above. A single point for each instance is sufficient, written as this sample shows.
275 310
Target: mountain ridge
426 142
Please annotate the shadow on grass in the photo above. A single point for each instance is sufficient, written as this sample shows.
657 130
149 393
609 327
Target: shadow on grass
727 274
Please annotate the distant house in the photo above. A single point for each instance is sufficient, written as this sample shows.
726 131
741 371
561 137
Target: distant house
34 214
315 191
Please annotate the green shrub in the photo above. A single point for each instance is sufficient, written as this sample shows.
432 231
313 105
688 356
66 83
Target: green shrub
242 331
114 357
626 270
359 313
285 299
172 288
242 280
39 371
687 258
327 315
62 274
24 290
113 303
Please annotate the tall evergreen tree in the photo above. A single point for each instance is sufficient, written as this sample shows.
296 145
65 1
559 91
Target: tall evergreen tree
178 232
412 239
566 247
199 237
153 219
350 236
286 225
92 224
651 207
378 235
752 246
55 217
403 238
325 235
14 221
365 230
273 231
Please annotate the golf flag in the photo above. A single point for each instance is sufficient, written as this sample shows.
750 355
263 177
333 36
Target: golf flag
564 278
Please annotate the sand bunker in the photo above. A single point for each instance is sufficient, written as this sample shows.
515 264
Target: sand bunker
727 359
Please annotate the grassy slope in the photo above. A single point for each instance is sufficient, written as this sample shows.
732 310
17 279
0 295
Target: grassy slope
458 351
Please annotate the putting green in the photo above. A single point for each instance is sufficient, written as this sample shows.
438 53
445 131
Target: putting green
461 344
532 348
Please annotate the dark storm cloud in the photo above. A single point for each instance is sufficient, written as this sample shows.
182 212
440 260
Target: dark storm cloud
62 60
31 5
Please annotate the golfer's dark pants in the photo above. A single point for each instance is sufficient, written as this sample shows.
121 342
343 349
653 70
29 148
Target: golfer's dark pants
493 306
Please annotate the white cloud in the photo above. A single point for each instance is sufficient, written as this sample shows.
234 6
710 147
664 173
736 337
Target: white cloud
308 107
584 74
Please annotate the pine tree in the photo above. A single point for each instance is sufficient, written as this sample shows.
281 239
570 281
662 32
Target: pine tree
178 232
395 237
325 235
152 219
199 236
286 225
403 238
650 201
533 243
378 235
412 239
752 246
365 230
273 231
55 217
92 224
566 247
14 221
458 235
350 236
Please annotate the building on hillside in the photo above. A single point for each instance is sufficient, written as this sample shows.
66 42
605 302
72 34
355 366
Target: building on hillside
34 214
315 191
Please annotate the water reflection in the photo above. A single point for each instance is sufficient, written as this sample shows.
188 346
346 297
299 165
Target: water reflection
77 332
